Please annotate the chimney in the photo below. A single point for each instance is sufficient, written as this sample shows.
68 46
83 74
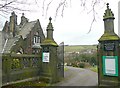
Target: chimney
23 19
13 23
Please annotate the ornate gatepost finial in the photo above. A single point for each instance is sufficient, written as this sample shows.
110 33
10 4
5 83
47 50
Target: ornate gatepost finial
50 29
107 5
50 19
108 13
50 26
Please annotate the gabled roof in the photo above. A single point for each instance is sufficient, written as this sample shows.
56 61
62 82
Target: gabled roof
1 42
9 43
9 35
26 28
3 37
6 45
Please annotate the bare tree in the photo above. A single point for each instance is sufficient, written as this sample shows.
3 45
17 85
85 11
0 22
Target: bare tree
7 6
89 5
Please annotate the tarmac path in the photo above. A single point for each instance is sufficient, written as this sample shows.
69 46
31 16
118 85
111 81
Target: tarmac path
78 77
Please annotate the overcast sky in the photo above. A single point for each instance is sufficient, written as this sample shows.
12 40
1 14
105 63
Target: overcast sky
74 26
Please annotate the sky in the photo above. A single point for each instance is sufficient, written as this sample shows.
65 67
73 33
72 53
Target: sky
73 27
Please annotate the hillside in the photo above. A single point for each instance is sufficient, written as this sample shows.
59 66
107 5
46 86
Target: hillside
80 55
79 48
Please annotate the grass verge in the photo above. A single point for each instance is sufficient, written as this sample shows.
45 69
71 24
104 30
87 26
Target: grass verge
65 69
27 83
95 69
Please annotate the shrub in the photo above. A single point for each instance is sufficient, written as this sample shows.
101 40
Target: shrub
74 64
82 65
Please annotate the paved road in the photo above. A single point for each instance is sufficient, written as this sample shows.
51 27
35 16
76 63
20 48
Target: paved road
78 77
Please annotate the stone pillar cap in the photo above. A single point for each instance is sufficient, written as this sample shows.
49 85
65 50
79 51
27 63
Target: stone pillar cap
108 13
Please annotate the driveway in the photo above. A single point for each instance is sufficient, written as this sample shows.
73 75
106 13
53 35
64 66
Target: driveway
78 77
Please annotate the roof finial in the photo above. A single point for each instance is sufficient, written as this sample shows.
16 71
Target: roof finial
50 24
22 14
13 13
107 5
50 19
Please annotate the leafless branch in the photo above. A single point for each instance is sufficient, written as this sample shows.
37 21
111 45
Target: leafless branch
9 6
15 8
91 25
94 14
63 10
36 2
2 6
43 7
48 5
61 4
83 3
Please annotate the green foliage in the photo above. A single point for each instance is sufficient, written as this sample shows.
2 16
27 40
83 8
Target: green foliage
90 58
81 53
74 64
65 69
82 65
81 56
95 69
28 83
15 64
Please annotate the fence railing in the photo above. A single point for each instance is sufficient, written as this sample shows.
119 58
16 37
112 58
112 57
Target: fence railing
17 67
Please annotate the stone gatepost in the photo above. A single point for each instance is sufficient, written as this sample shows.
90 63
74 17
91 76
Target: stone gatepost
49 55
109 53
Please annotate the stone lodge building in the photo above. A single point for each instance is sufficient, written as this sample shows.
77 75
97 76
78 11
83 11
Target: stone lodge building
23 38
27 54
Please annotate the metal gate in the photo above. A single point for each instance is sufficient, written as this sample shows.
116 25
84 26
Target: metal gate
60 65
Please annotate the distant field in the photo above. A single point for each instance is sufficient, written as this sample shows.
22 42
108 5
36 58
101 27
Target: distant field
79 48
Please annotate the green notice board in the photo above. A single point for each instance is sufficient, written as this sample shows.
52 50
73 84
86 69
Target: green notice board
110 65
45 57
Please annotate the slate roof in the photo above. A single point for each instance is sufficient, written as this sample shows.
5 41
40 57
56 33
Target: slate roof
26 28
9 43
1 42
6 45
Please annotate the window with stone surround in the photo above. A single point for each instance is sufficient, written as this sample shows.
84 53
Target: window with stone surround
36 38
